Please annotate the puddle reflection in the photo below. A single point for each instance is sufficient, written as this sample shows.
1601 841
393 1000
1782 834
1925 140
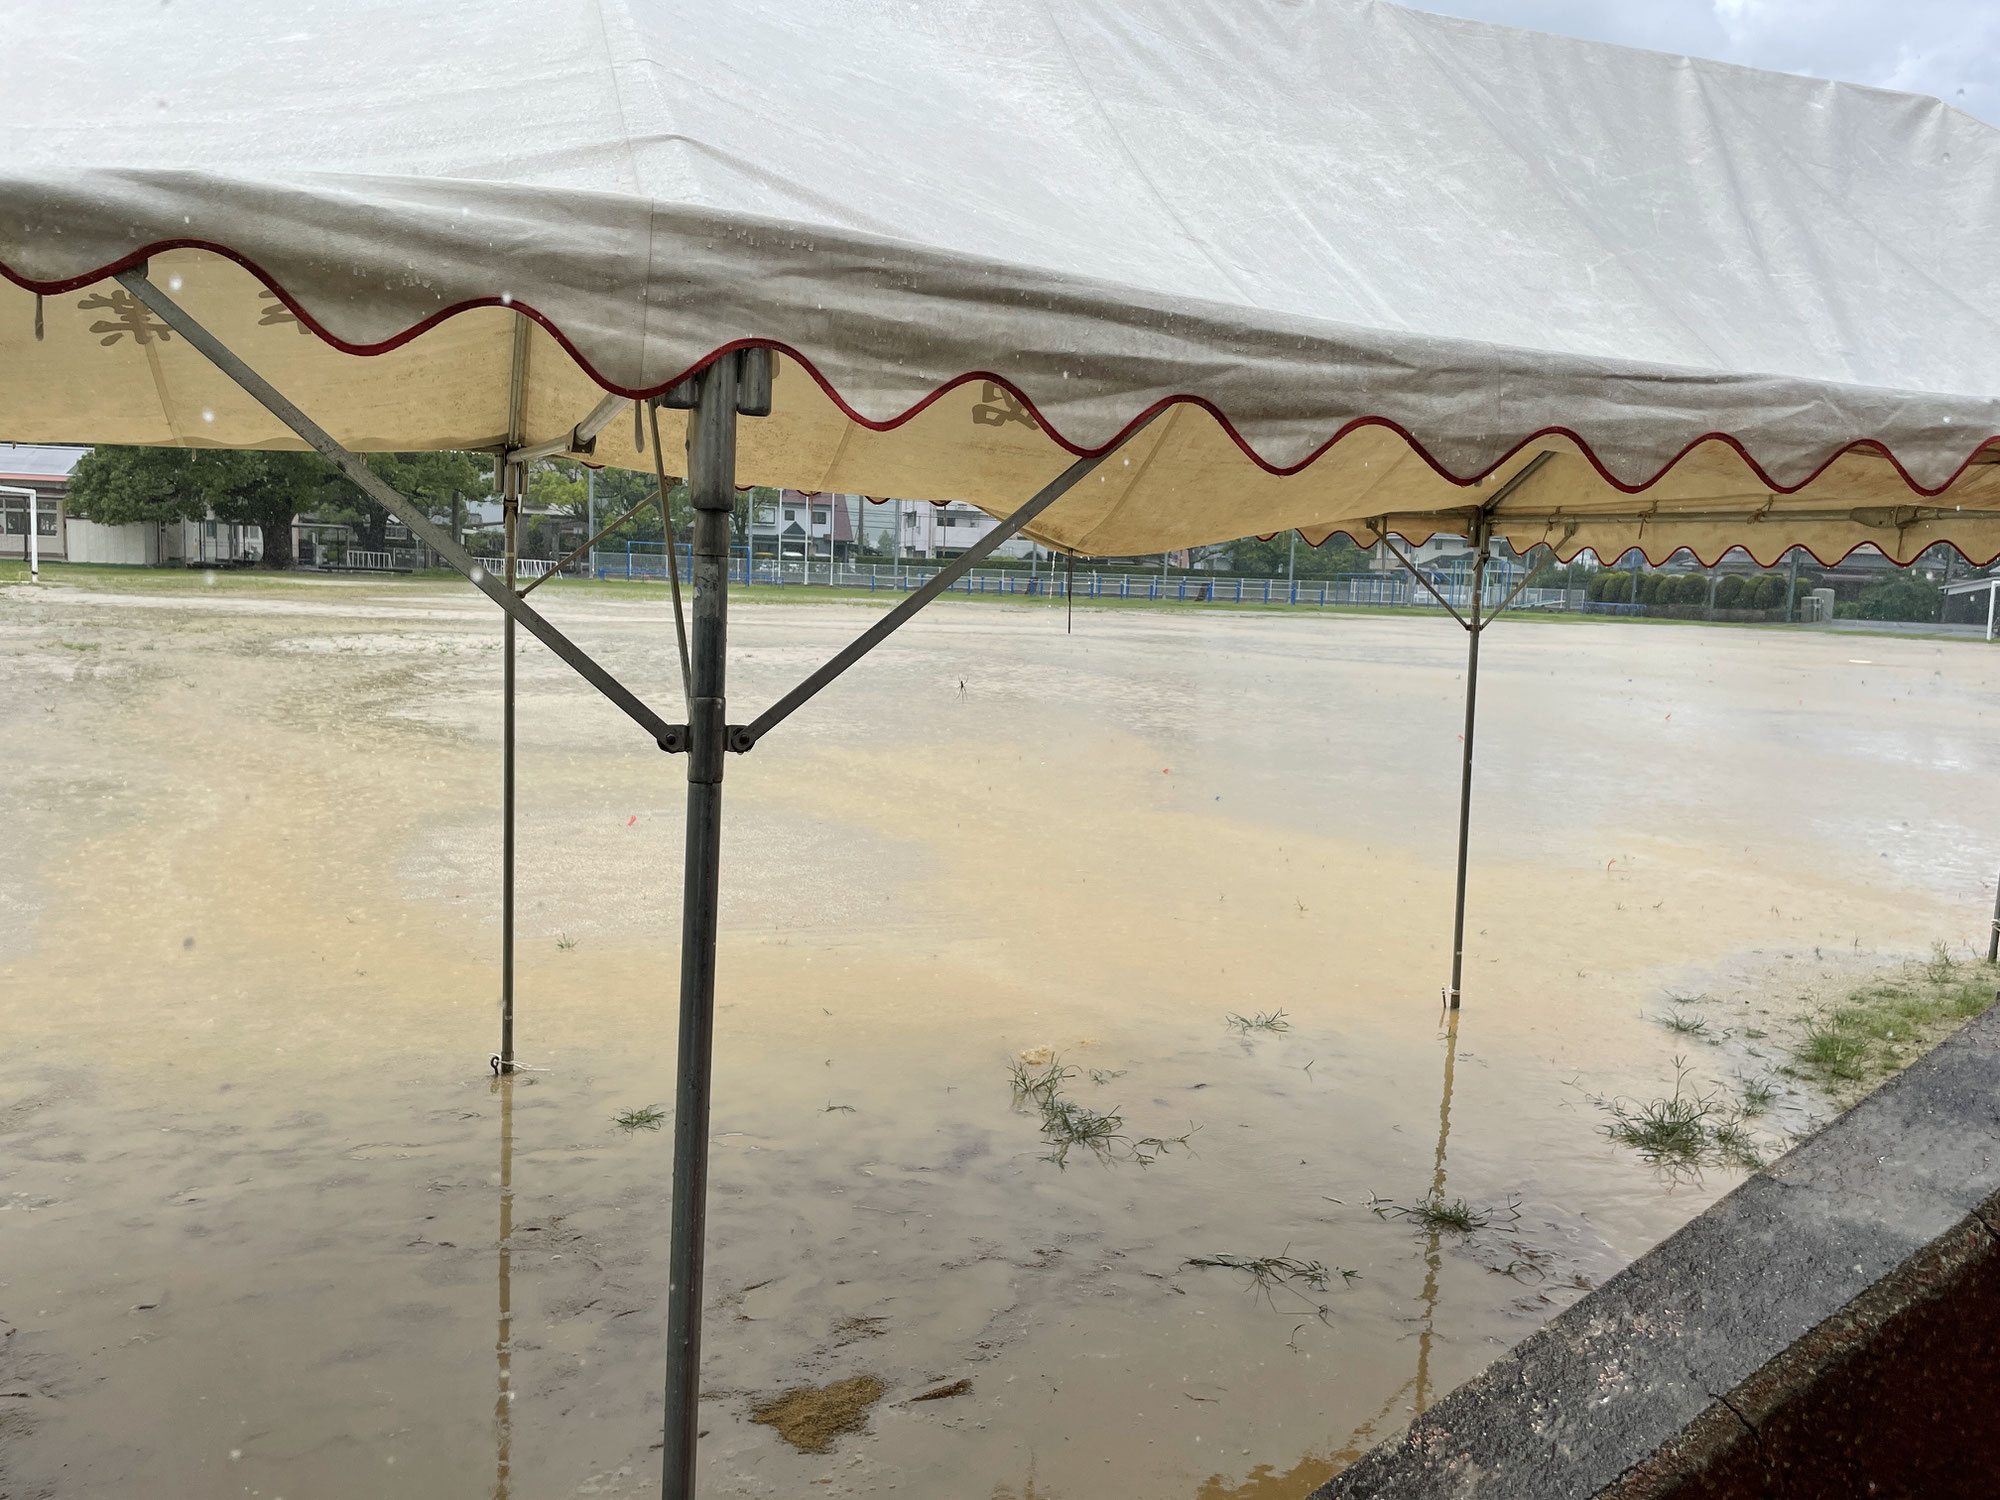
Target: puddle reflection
1432 1256
503 1346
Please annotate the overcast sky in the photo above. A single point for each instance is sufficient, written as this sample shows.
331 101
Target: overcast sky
1946 48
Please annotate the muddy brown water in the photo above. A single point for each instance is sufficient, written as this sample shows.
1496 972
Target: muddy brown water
268 1227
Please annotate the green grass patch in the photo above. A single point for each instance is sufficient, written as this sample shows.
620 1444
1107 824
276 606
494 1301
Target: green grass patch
648 1118
1883 1026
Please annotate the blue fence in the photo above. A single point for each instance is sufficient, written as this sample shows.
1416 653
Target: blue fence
648 561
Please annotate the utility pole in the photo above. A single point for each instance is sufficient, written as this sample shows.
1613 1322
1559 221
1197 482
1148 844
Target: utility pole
1791 583
1292 557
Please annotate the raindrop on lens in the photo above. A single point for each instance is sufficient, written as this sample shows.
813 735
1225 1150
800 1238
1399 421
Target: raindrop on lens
173 283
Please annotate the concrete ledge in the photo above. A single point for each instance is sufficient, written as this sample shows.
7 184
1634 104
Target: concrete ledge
1832 1327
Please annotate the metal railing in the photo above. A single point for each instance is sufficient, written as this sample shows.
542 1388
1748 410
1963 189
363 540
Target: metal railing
647 561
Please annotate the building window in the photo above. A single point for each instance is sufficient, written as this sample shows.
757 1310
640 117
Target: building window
791 513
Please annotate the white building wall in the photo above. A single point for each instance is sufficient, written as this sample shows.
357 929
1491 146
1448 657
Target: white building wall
134 544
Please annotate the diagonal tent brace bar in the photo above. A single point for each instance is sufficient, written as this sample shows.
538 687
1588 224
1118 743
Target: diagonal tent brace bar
575 553
1418 574
1526 578
669 737
743 737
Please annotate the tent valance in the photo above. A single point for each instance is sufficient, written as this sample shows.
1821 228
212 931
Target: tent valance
1372 260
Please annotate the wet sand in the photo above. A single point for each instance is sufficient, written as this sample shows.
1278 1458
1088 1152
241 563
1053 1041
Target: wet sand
269 1227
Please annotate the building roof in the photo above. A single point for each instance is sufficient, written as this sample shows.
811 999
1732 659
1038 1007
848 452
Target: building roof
31 461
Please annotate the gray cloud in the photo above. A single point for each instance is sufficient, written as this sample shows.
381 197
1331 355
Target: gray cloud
1946 48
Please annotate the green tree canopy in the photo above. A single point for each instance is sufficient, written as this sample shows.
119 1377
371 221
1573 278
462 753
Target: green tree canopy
115 486
1261 559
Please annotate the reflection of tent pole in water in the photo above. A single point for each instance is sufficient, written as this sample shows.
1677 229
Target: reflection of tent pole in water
1432 1257
1480 533
1418 1386
503 1345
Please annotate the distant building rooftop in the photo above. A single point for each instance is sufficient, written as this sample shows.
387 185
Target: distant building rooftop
38 460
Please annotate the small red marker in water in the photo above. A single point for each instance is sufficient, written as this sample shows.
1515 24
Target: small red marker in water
1165 769
631 820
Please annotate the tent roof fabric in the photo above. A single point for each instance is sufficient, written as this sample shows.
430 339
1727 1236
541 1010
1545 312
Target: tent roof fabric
1375 260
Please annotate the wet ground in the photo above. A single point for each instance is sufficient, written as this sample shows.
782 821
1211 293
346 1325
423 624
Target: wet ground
269 1227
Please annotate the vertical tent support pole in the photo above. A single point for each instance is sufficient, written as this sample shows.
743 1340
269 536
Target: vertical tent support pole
34 537
1481 533
511 513
511 478
711 475
1992 594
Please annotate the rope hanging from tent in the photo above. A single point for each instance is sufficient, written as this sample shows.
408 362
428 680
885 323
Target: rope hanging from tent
673 563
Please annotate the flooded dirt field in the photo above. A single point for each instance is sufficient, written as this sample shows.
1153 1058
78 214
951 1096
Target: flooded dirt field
269 1227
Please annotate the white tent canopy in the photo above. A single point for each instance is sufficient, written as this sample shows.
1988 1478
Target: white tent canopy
1373 260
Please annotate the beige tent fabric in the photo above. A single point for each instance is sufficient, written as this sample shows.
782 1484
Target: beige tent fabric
1182 481
1367 262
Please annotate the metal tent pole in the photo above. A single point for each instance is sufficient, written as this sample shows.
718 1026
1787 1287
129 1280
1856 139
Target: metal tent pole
735 381
1473 627
511 512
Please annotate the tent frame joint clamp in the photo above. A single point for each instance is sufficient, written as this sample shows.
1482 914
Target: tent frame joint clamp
737 739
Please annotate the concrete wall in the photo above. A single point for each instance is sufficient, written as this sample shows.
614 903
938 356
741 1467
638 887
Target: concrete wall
1831 1328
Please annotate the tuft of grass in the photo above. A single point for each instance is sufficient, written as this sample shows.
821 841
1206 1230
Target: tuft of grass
1692 1128
648 1118
1067 1124
1269 1273
838 1109
1264 1020
1755 1096
1734 1145
565 942
1685 1025
1939 966
1672 1131
1102 1076
1435 1215
1040 1083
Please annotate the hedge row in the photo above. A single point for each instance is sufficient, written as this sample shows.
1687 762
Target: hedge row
1733 591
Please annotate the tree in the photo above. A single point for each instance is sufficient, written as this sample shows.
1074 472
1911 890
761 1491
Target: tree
1261 559
267 490
1903 595
115 486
